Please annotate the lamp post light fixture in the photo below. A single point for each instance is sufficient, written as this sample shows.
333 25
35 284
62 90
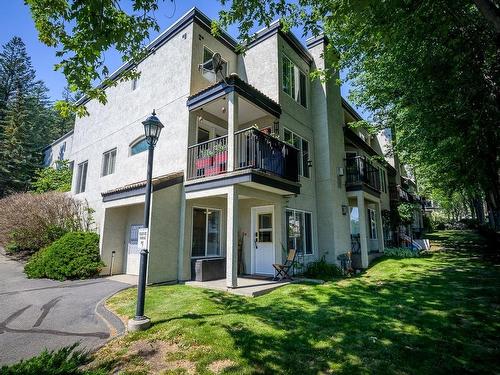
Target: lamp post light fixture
152 130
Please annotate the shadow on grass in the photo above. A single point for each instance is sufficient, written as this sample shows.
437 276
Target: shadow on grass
427 320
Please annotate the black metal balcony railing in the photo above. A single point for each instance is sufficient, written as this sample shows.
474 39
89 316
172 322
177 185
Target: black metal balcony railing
360 171
207 158
256 150
252 150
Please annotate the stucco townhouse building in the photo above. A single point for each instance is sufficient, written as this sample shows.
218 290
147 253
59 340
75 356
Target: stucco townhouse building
246 168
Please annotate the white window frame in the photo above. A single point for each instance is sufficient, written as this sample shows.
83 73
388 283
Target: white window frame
301 154
206 232
306 235
372 222
295 92
81 178
212 53
108 163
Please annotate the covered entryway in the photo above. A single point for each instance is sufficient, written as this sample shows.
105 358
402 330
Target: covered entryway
262 244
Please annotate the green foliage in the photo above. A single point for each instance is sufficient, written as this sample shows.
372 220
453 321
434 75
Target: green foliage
406 212
65 361
28 121
401 252
322 270
74 256
53 179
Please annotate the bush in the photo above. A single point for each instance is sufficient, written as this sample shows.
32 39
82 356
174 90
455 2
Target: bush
57 362
401 252
74 256
323 270
32 221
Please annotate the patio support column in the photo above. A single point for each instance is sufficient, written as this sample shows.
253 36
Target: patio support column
232 237
232 126
380 228
363 225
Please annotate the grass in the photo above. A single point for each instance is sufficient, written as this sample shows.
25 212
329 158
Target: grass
436 314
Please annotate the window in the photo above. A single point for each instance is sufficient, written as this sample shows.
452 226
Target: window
134 84
354 220
303 147
139 146
207 56
203 135
108 162
206 232
299 231
294 82
373 224
81 177
383 180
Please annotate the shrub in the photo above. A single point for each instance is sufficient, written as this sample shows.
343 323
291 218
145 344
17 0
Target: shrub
57 362
321 269
74 256
32 221
401 252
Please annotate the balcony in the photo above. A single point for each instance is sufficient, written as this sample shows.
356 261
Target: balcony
254 151
361 174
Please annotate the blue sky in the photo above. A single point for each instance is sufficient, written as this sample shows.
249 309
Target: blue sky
15 20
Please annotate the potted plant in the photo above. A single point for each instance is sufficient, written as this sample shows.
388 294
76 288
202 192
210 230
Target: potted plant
220 156
205 159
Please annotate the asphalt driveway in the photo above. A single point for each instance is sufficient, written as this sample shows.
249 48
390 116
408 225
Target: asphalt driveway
40 313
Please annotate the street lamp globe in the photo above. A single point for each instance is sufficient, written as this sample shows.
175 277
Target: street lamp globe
152 128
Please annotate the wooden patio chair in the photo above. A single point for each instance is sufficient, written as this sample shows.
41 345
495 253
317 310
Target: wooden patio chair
282 269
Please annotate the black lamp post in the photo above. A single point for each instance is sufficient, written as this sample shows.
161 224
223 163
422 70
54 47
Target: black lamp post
152 130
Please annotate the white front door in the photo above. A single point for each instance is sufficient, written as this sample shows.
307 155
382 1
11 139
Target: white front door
133 253
263 240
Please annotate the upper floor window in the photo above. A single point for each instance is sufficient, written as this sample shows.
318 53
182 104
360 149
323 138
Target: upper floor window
207 56
383 180
81 177
294 82
139 146
108 162
303 146
134 84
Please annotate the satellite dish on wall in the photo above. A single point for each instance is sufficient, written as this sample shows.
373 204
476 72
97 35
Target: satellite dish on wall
212 69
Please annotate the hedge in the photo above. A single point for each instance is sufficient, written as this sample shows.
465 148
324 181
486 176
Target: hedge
74 256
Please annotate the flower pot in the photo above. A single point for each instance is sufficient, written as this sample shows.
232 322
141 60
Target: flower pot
203 162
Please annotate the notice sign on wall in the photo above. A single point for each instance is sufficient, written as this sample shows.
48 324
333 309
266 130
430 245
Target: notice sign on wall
142 240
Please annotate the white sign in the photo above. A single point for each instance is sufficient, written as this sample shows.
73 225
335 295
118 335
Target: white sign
142 240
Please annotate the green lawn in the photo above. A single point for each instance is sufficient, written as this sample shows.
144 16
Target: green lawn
437 314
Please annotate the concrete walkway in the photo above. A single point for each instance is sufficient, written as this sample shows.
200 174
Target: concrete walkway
249 287
40 313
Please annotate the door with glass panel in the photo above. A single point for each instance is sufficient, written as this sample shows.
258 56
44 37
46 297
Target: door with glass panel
133 253
263 240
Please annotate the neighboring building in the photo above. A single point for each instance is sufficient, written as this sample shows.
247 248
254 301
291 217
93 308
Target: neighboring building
58 150
402 189
221 176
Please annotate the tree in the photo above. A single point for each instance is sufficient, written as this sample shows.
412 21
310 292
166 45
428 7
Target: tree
428 69
18 154
28 120
53 179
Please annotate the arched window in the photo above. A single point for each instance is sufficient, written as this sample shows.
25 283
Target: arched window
138 146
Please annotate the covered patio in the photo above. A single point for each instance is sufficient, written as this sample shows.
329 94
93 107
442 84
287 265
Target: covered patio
247 286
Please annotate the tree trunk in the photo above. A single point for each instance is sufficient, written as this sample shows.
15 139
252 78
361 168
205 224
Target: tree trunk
490 12
478 209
